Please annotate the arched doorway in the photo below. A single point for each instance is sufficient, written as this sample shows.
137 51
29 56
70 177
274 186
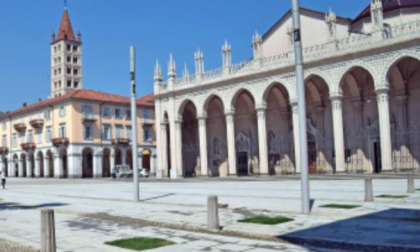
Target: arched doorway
87 163
404 84
64 163
23 173
146 154
51 173
246 134
217 152
40 157
129 158
319 126
106 163
190 142
280 142
118 157
360 120
16 165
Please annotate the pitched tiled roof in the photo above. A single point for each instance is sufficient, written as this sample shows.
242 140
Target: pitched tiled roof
65 31
89 95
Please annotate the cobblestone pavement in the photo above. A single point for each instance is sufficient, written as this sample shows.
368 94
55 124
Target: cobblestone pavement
91 212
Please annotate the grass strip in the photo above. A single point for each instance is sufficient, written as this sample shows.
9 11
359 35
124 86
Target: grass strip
339 206
140 243
264 220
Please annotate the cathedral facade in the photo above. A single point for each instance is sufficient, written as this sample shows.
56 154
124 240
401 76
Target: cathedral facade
362 84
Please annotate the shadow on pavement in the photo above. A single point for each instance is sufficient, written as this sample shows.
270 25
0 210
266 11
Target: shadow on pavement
158 197
385 231
8 206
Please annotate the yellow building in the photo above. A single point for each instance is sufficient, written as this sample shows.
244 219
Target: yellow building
77 133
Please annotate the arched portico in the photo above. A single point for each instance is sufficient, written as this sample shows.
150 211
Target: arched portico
216 137
87 170
319 126
16 165
280 147
40 163
404 86
106 163
361 122
50 165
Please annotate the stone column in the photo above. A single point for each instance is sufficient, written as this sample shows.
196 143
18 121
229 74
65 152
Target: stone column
295 118
2 164
37 167
58 166
11 167
163 150
178 150
124 156
152 163
337 110
97 165
230 124
28 166
203 146
262 140
46 166
20 167
112 161
385 129
140 160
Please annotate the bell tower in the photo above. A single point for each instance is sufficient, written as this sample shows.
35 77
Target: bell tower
66 59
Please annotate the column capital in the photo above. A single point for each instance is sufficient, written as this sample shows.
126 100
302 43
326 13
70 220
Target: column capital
261 109
382 90
202 118
336 98
229 113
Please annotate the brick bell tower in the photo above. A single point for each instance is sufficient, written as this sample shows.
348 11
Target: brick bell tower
66 59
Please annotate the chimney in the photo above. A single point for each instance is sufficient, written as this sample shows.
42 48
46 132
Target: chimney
25 104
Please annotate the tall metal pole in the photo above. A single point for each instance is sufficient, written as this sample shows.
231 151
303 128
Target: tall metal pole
301 108
134 123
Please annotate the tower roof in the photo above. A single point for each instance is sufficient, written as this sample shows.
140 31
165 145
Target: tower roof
65 31
389 5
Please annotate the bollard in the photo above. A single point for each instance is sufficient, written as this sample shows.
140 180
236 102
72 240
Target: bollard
368 190
48 231
213 214
411 185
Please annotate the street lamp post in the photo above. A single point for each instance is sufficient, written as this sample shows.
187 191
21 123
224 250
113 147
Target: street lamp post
134 123
301 108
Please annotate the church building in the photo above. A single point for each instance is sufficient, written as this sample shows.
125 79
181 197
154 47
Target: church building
362 83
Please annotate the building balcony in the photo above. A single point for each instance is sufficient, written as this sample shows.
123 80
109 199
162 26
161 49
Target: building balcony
4 150
60 141
37 123
121 141
147 121
20 127
28 146
88 118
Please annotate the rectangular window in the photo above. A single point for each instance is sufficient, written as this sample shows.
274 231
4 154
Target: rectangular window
128 114
74 48
128 133
118 113
106 112
69 48
14 142
87 111
22 137
88 132
146 134
68 70
39 136
76 84
106 132
74 60
69 83
62 131
118 131
145 113
68 59
47 115
30 136
75 71
62 111
4 125
48 135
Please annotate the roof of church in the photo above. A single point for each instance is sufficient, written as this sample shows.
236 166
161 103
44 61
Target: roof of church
65 31
389 5
85 95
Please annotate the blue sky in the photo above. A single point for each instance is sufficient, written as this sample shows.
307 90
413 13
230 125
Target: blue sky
109 27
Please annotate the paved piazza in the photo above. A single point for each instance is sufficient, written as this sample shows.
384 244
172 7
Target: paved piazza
91 212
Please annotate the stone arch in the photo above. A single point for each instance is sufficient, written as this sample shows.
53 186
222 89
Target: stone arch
216 129
87 163
360 112
394 61
40 157
190 140
183 105
23 172
249 99
106 163
281 93
50 167
350 68
403 78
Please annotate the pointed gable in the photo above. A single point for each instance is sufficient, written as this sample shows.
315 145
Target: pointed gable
65 31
